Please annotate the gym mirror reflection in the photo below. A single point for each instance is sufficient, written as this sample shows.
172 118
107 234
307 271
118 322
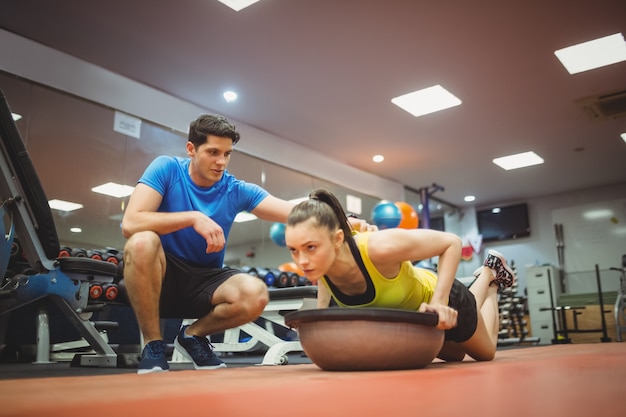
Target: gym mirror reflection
74 148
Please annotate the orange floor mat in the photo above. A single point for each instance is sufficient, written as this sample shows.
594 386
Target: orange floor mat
557 380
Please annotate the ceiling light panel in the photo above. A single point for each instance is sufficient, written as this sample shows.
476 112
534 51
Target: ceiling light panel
62 205
237 5
114 190
428 100
519 160
593 54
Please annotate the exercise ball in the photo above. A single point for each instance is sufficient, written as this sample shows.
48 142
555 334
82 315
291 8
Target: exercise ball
290 267
277 234
409 218
367 339
386 215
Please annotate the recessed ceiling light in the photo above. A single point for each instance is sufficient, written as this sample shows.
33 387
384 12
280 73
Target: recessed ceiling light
378 158
593 54
62 205
16 116
114 190
237 5
428 100
76 230
469 198
623 135
519 160
230 96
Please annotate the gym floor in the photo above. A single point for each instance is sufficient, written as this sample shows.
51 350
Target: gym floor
557 380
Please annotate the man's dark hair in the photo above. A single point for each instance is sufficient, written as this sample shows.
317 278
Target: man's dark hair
207 124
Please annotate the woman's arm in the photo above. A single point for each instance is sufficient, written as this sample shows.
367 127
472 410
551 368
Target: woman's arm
323 296
389 248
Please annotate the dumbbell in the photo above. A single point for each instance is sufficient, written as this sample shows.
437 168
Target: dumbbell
250 271
65 252
95 290
283 279
266 275
113 255
79 253
110 291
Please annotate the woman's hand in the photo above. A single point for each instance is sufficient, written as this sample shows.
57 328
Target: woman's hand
360 225
447 315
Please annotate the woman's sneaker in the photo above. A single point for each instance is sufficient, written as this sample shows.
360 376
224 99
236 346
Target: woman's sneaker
153 358
504 276
197 349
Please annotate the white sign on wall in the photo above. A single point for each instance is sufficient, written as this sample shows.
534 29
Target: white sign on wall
127 125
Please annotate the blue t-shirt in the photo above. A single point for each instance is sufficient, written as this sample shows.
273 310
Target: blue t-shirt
221 202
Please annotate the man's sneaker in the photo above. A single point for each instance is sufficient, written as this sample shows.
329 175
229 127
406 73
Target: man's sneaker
197 349
504 276
153 358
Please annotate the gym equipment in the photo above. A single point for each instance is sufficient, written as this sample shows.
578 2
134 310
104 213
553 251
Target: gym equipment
114 256
560 249
620 302
425 194
290 267
277 234
65 280
294 279
250 270
409 219
296 274
561 336
605 337
386 215
367 339
267 276
65 252
282 278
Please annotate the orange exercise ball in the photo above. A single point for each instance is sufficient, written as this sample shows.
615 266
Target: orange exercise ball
290 267
409 219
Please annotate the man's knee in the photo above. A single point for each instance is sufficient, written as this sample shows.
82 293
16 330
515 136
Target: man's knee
143 243
253 294
260 294
143 256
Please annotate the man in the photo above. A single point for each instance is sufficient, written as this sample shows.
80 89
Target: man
177 221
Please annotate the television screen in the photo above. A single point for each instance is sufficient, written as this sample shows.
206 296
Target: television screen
501 223
435 223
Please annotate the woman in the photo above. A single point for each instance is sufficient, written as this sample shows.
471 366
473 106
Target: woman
374 269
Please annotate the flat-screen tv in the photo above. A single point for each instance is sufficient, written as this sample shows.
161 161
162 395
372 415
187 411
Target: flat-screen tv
434 223
503 222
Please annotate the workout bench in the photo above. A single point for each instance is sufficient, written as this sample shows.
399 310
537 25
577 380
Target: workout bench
282 301
29 237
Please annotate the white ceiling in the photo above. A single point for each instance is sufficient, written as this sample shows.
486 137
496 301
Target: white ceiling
322 73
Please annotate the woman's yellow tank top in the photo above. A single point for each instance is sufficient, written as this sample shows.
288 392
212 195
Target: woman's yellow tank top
407 291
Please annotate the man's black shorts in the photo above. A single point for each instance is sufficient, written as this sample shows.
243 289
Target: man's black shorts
187 290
